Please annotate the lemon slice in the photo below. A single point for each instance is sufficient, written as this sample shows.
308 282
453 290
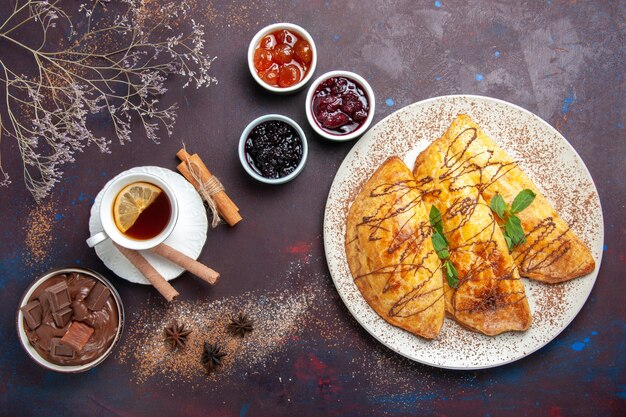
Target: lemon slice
131 202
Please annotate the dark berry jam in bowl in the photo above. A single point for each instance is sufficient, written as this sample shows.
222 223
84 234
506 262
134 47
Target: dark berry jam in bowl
282 58
340 105
273 149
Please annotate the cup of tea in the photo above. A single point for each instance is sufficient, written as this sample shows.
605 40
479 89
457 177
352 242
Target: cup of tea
138 211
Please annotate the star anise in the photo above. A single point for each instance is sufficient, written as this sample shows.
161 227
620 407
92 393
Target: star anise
176 335
212 356
241 325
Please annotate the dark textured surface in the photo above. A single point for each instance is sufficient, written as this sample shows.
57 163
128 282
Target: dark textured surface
562 60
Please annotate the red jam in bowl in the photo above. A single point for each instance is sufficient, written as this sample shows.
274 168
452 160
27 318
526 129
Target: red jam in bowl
282 58
340 105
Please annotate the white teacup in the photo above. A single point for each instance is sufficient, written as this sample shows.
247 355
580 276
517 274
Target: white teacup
106 213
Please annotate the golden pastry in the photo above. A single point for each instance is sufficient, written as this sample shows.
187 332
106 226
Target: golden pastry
390 253
489 295
552 251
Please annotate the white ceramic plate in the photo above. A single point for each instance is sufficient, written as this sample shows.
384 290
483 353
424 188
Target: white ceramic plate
188 236
544 155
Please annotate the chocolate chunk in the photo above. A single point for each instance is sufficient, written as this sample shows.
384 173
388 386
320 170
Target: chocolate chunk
61 350
58 296
33 313
33 337
77 336
62 317
97 297
80 310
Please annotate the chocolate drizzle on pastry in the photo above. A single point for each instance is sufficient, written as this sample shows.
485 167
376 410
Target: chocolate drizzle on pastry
490 296
404 241
552 251
390 253
389 238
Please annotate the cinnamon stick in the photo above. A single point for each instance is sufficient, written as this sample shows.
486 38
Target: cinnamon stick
148 271
198 269
225 206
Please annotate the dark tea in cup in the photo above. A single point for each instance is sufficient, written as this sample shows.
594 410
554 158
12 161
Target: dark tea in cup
141 210
138 210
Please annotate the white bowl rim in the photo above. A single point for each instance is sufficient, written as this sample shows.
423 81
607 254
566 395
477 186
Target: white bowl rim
271 28
242 153
371 98
32 352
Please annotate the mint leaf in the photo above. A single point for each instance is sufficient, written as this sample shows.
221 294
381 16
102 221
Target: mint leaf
451 274
440 245
513 229
522 200
498 205
509 242
435 219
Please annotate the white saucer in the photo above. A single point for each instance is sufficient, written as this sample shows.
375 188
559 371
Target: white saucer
188 236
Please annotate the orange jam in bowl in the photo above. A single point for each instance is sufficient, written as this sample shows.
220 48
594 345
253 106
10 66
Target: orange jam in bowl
282 57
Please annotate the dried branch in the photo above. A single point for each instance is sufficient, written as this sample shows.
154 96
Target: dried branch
116 64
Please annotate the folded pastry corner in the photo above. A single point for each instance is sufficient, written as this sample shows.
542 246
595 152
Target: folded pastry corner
552 252
489 296
390 253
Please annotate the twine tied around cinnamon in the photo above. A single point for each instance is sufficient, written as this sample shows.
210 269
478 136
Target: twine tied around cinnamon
209 187
207 190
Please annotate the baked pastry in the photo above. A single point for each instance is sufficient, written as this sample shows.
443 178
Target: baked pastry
489 296
390 252
552 252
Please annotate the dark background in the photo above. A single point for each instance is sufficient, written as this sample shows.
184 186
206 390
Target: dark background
562 60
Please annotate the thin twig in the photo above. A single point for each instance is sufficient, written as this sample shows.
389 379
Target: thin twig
47 114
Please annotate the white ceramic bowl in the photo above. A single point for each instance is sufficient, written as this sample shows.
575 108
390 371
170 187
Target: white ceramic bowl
370 98
32 352
272 28
242 151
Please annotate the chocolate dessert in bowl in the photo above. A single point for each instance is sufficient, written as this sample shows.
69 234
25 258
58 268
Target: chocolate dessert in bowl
70 319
